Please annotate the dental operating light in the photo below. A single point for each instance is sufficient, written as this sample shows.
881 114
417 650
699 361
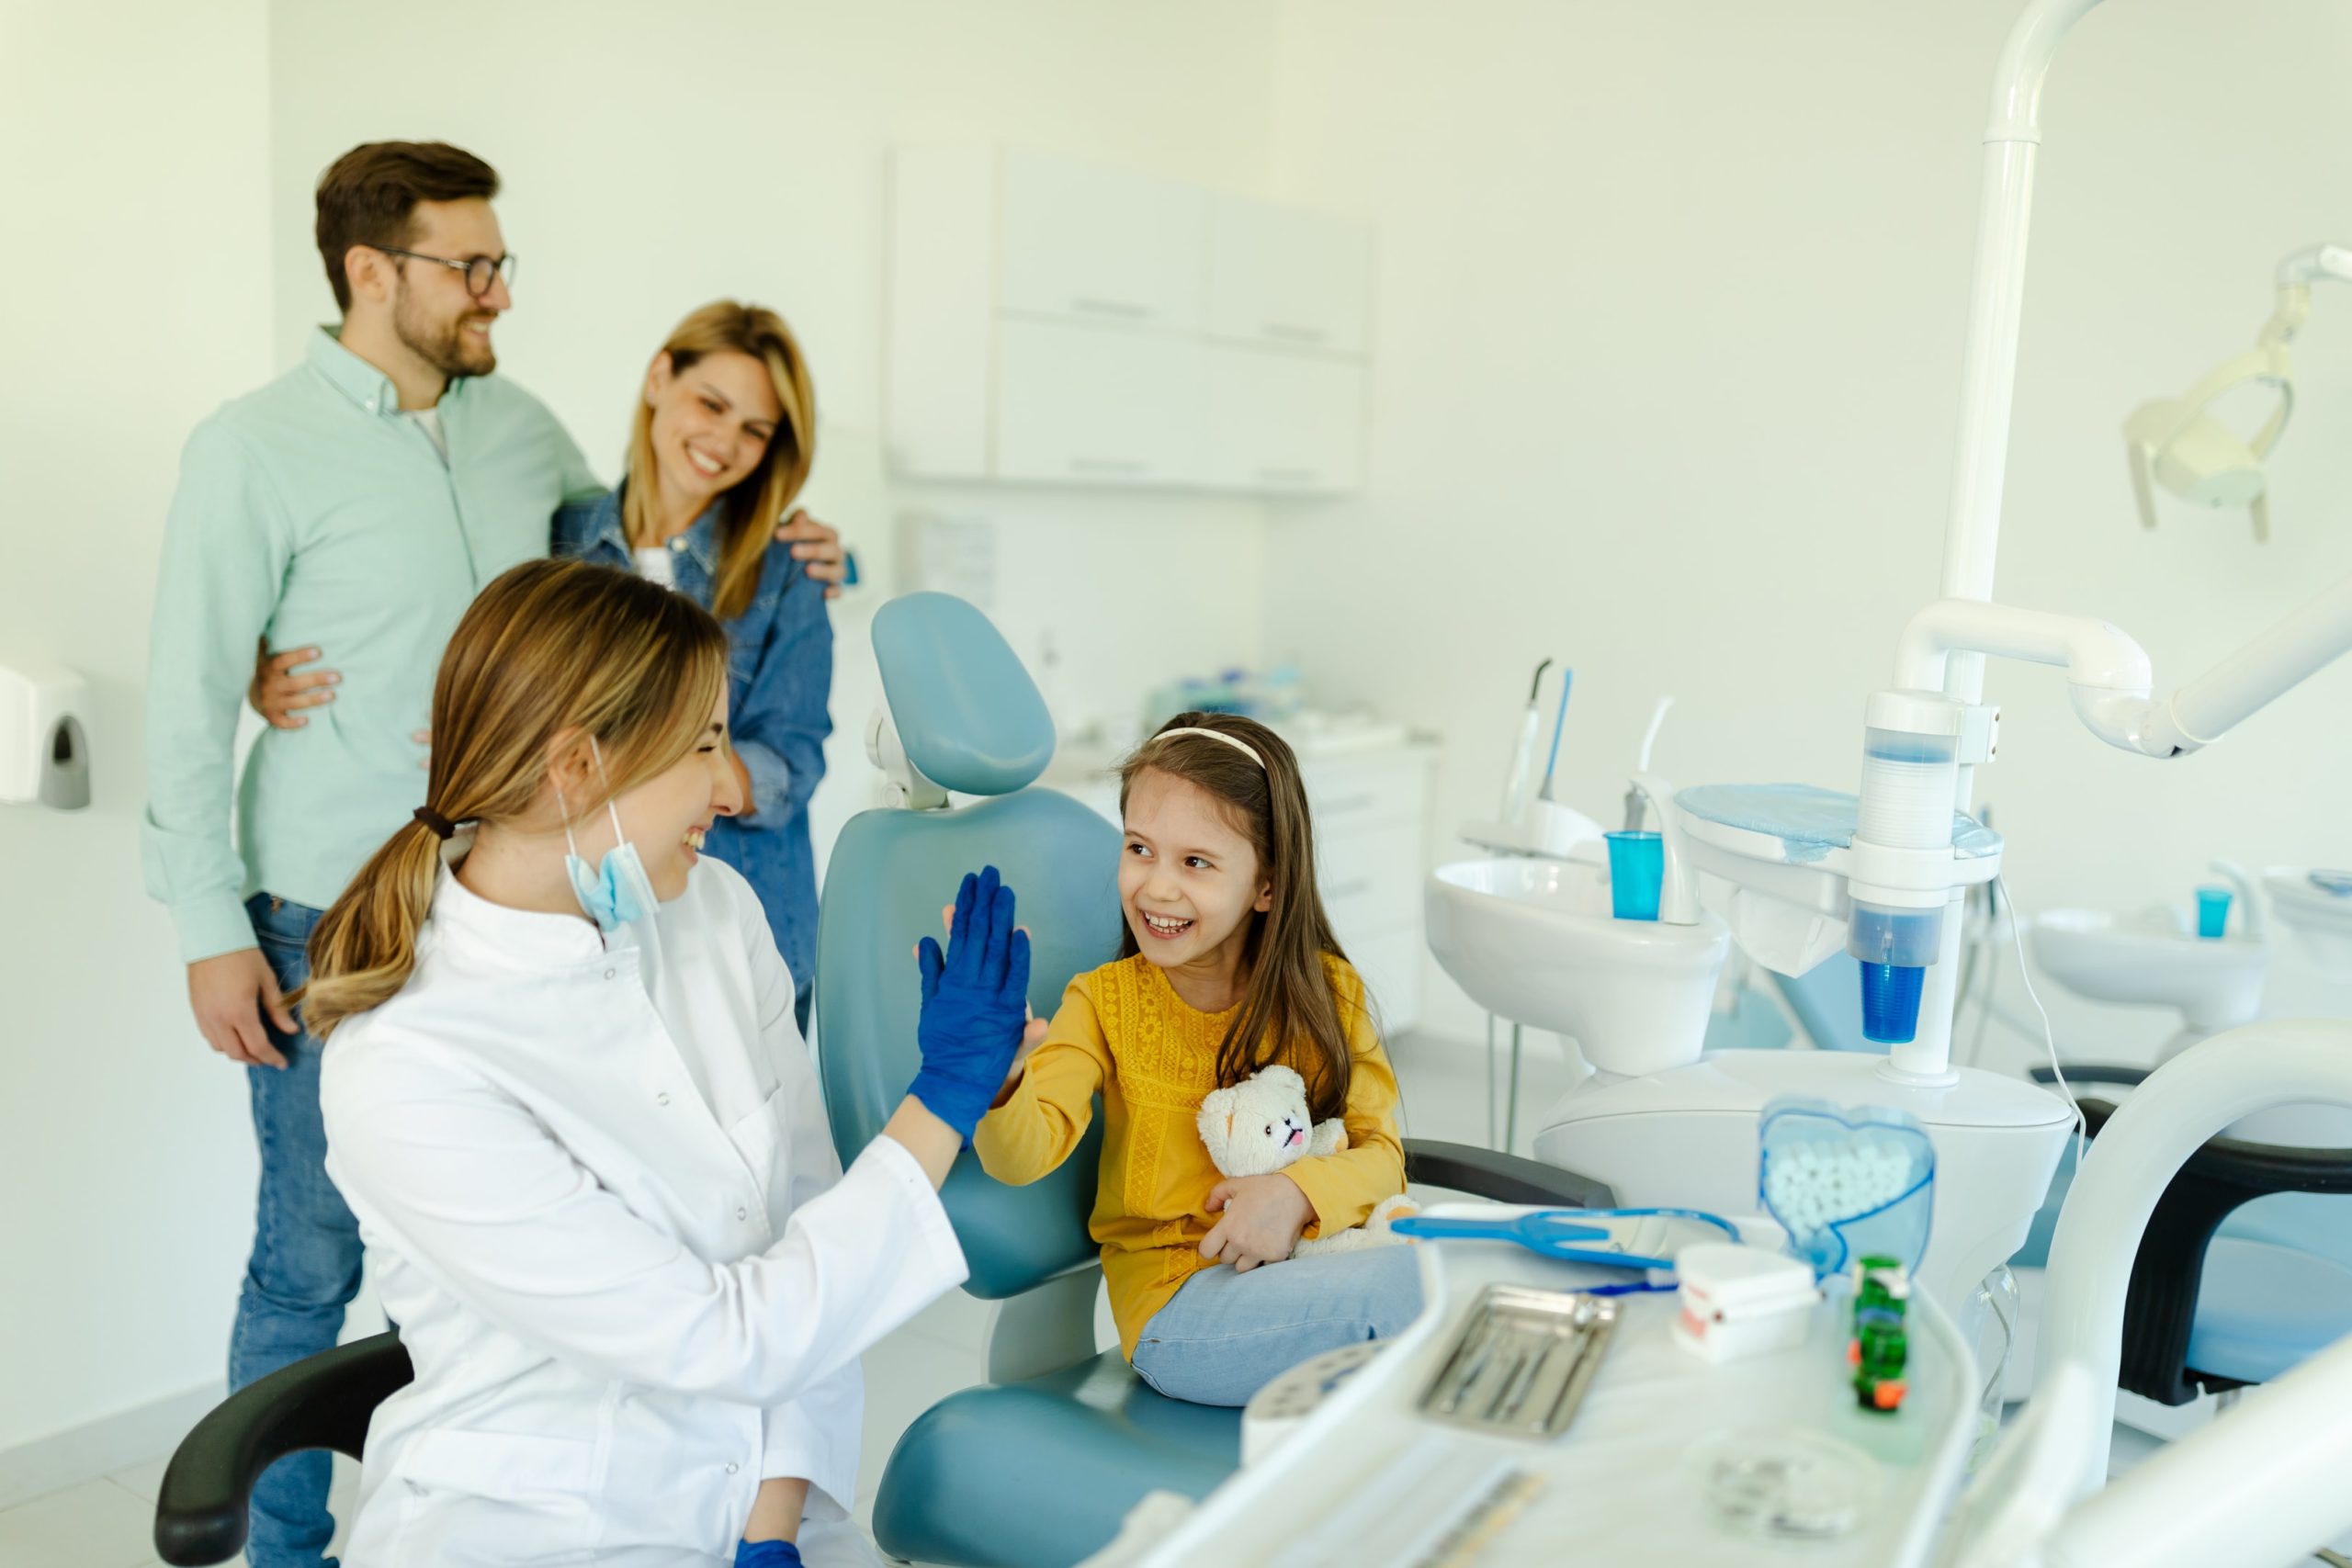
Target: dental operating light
2182 445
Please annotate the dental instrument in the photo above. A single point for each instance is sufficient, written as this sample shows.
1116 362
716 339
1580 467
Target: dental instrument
2176 443
1642 764
1559 723
1520 779
1558 1233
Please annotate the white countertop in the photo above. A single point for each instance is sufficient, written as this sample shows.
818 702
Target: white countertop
1626 1481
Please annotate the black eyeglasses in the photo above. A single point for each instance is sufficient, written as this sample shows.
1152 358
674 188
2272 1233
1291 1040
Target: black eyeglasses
479 270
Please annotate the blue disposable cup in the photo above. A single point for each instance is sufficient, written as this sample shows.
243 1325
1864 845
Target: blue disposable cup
1636 870
1891 1003
2212 912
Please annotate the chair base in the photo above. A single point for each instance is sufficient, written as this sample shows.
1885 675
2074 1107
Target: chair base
1038 1474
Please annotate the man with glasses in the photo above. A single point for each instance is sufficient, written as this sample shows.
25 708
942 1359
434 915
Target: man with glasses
359 501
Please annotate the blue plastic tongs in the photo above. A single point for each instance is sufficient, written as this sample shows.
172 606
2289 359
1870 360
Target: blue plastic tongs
1560 1233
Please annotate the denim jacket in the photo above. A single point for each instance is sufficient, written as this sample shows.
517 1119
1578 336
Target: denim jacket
780 674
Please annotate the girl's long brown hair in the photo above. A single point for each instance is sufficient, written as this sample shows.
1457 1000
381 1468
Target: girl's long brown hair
1288 1014
757 501
549 646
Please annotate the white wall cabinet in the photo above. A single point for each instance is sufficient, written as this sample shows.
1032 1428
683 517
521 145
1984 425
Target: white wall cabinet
1282 422
1285 278
1055 321
1099 244
1086 403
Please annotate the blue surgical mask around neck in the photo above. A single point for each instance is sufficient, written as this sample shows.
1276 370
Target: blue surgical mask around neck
617 891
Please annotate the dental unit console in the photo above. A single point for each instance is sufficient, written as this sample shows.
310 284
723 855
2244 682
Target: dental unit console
1795 874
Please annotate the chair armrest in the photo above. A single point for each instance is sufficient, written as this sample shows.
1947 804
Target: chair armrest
319 1402
2160 1305
1500 1178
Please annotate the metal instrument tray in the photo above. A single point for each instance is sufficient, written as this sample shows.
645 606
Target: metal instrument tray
1522 1361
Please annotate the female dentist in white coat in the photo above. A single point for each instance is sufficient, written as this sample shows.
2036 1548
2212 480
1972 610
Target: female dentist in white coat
565 1097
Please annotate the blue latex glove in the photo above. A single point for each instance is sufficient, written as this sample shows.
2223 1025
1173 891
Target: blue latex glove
767 1554
974 1004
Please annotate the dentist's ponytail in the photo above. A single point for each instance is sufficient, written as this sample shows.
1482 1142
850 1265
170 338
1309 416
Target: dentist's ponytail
549 646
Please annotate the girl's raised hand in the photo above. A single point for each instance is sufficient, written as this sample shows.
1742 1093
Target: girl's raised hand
1263 1217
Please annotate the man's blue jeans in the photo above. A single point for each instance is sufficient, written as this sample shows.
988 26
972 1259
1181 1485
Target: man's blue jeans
305 1264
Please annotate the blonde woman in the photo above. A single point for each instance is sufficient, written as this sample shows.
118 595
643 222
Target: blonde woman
566 1097
723 441
725 434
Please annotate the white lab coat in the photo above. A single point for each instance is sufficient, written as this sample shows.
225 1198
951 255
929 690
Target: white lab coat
603 1205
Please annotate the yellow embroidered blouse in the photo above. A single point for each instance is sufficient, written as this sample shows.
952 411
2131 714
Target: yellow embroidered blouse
1123 1030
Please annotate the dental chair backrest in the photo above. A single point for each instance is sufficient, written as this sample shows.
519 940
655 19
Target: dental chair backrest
962 715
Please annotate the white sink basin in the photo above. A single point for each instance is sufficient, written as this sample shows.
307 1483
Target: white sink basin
1532 942
2148 962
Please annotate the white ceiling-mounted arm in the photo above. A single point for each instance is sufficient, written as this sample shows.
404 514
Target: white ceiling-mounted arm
2313 263
1996 303
2247 681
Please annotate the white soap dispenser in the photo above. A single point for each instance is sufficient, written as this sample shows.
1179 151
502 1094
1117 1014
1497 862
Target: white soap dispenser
44 753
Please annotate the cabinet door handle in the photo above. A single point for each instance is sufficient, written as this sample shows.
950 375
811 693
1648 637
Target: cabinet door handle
1109 466
1126 310
1347 803
1286 332
1350 888
1289 475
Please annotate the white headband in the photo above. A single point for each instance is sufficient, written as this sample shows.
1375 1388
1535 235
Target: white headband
1239 746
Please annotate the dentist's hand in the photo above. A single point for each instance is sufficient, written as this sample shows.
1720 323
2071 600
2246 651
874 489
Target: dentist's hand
228 994
1032 1033
974 1004
1263 1217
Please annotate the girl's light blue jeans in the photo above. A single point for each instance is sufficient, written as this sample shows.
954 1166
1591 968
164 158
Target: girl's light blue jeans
1225 1336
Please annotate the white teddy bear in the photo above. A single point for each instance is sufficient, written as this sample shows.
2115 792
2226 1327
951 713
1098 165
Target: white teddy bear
1261 1125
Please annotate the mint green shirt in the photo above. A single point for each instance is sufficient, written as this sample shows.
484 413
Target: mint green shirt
313 511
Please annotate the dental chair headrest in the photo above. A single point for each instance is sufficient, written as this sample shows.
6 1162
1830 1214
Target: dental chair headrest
967 714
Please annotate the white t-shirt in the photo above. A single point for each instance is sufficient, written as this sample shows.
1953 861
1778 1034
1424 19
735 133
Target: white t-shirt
653 565
429 422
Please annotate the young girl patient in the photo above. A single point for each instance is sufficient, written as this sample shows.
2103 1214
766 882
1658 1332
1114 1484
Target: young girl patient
1228 965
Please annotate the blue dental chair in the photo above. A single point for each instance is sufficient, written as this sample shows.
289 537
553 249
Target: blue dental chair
1037 1467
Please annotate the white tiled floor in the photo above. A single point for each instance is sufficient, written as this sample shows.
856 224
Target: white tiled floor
105 1523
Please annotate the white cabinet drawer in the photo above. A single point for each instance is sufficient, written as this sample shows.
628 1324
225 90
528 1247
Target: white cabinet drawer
1348 794
1287 278
1095 405
1282 422
1371 881
1098 244
1391 966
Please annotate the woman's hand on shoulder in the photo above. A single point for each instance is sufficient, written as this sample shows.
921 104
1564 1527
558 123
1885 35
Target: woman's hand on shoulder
817 547
1261 1219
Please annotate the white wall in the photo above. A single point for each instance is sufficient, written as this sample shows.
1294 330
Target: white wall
1670 316
657 157
135 257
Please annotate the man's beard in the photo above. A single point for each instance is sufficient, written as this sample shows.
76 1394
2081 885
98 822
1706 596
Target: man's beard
445 345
